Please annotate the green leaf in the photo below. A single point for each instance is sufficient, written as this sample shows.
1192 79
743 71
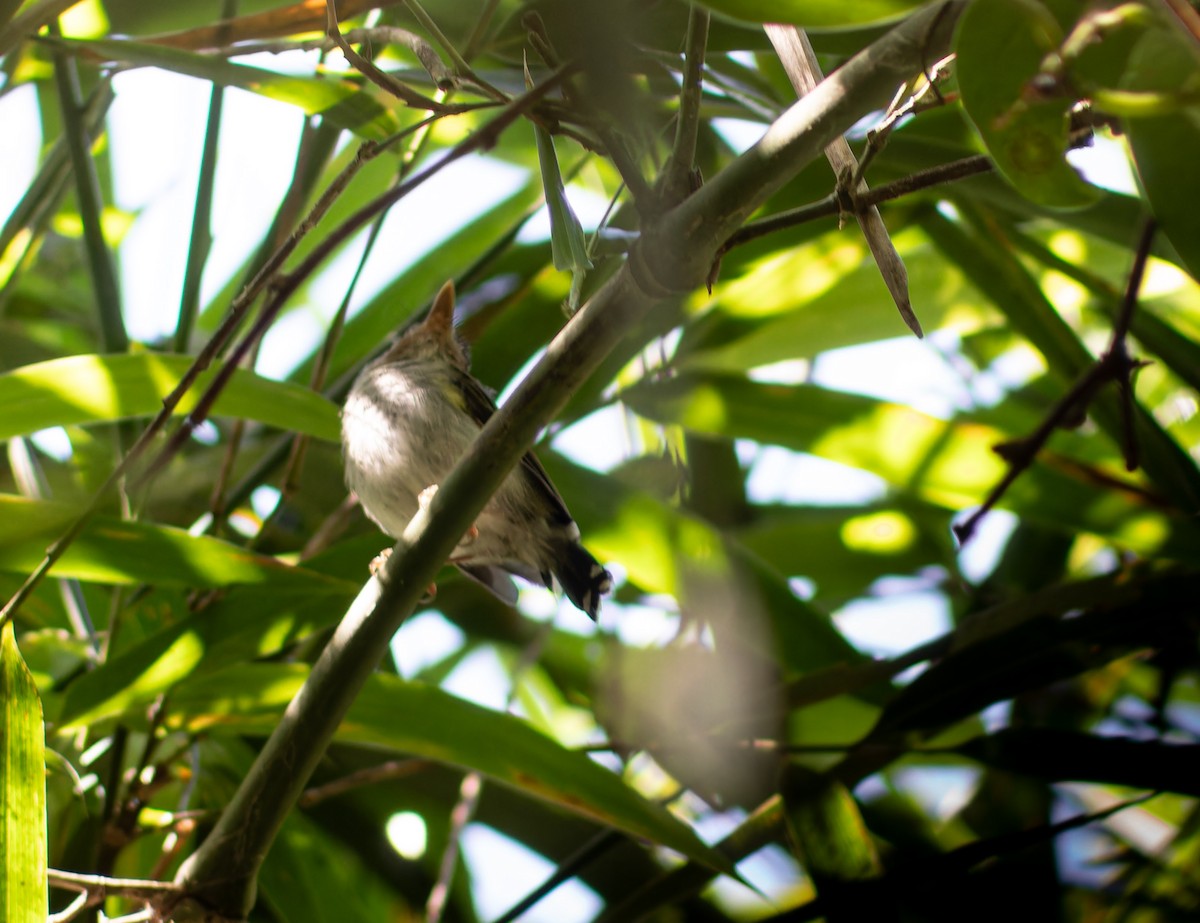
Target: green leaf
1163 145
102 389
947 463
1001 45
23 894
826 828
425 721
209 640
665 550
310 875
124 552
825 295
335 99
1037 640
567 245
815 14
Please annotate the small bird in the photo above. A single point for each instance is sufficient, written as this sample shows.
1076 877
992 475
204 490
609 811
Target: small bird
409 418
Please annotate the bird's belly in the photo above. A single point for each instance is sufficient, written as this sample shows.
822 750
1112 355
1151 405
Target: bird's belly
395 446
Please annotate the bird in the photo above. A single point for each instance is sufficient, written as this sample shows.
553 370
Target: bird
409 417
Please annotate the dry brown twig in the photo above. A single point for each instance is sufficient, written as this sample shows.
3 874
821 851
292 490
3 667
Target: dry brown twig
1113 365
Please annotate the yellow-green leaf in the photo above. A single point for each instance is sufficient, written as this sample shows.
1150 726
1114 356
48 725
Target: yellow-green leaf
101 389
22 789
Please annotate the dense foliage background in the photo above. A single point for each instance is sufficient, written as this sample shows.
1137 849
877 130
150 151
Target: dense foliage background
1033 755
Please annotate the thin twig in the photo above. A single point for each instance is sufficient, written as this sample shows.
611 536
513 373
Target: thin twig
1114 364
472 787
622 160
461 67
829 206
675 183
102 886
596 846
464 810
384 81
71 911
384 772
287 283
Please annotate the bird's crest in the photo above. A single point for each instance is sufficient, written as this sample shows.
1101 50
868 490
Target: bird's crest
434 335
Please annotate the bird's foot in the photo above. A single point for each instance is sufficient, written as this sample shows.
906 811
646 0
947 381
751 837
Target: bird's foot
377 565
378 561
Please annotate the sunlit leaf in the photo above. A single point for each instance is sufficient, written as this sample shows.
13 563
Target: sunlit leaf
436 725
22 788
102 389
328 96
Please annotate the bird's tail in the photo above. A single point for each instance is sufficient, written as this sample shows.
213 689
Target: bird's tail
582 578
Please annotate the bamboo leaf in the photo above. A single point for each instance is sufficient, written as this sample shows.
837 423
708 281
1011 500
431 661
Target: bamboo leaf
425 721
125 552
23 895
337 100
102 389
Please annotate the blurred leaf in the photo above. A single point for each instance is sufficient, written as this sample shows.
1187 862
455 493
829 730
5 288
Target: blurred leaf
832 842
22 788
102 389
944 463
665 550
844 549
815 14
311 876
436 725
337 100
1001 45
1041 639
209 640
824 295
1162 62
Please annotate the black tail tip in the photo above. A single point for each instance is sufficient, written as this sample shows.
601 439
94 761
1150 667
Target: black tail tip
583 579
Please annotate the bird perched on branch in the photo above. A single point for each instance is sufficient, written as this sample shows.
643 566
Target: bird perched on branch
409 418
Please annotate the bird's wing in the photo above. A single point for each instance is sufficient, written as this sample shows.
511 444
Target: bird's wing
481 406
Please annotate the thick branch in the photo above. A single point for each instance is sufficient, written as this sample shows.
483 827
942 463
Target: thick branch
675 256
220 876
